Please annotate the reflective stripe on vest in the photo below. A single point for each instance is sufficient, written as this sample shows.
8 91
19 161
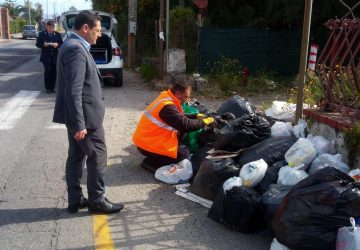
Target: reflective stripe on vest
158 123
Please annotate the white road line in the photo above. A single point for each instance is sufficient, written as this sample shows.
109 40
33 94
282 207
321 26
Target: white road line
56 126
14 109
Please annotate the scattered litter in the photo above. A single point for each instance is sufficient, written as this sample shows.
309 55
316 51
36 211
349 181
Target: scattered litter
222 154
183 191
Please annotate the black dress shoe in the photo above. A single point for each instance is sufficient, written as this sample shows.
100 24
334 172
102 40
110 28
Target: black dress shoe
104 207
74 208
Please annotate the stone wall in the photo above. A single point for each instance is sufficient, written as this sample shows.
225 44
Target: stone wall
331 126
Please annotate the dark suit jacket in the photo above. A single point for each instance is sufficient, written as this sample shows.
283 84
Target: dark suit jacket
48 54
79 98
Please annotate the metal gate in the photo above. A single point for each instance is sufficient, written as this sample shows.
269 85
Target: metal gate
338 66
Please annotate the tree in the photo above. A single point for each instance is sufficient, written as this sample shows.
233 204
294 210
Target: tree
14 9
38 12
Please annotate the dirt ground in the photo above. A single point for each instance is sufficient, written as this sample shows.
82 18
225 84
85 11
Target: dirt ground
154 217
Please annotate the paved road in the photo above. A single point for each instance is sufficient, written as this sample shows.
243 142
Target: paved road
32 189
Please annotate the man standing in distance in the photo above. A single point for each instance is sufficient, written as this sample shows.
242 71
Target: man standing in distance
80 106
49 41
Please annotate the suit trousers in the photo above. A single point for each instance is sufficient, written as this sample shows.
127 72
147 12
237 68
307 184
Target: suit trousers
91 149
49 75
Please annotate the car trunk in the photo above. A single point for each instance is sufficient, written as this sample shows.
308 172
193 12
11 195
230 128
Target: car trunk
101 51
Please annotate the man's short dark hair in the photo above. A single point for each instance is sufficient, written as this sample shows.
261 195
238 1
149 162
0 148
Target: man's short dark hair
180 83
50 23
86 17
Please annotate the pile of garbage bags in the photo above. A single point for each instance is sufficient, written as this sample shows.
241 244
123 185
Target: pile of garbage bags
264 173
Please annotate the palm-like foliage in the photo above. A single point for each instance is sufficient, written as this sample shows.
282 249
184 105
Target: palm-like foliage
14 9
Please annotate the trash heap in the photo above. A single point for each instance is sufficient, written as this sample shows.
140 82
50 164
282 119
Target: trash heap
263 173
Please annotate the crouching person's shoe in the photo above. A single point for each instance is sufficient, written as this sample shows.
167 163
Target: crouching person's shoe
104 207
74 208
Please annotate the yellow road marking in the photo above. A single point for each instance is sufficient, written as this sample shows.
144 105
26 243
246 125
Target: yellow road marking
102 234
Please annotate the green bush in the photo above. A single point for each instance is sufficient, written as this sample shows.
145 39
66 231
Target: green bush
148 72
226 73
352 142
313 91
16 26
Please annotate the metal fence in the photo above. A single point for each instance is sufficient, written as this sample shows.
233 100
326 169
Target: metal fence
256 49
338 67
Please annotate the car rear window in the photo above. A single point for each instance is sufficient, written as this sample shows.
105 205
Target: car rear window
29 28
105 21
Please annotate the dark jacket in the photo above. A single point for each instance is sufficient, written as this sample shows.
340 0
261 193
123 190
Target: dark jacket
49 53
79 98
183 123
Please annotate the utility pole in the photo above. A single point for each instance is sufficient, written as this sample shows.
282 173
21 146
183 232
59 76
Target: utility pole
161 42
132 33
167 35
29 13
303 59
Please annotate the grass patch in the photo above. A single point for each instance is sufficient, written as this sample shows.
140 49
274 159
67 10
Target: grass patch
148 72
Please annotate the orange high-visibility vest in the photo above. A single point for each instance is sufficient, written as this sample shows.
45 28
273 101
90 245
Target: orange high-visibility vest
153 134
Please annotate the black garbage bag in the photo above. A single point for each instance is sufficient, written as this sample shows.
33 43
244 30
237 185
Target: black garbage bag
208 136
221 120
271 176
311 213
212 175
236 105
242 133
240 208
198 157
272 199
271 150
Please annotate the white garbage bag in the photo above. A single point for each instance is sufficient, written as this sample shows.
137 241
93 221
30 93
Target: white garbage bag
291 175
302 152
275 245
232 182
348 238
355 174
281 129
175 173
322 145
328 160
282 111
253 172
299 129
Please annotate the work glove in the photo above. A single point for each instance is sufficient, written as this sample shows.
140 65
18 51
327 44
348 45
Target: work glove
208 120
200 116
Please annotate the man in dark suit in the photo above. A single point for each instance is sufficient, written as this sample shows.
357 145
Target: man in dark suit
49 41
80 106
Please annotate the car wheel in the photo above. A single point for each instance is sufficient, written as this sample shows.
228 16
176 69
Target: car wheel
24 37
118 80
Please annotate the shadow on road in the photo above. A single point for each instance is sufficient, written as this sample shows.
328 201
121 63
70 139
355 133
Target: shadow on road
29 215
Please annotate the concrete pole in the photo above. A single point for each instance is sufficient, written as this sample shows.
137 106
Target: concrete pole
303 59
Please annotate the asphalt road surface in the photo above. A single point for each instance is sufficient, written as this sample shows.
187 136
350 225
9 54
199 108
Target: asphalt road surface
33 196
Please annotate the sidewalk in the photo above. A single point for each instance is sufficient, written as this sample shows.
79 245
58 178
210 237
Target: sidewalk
12 36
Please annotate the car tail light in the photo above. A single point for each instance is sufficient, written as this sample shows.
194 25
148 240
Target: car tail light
117 51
